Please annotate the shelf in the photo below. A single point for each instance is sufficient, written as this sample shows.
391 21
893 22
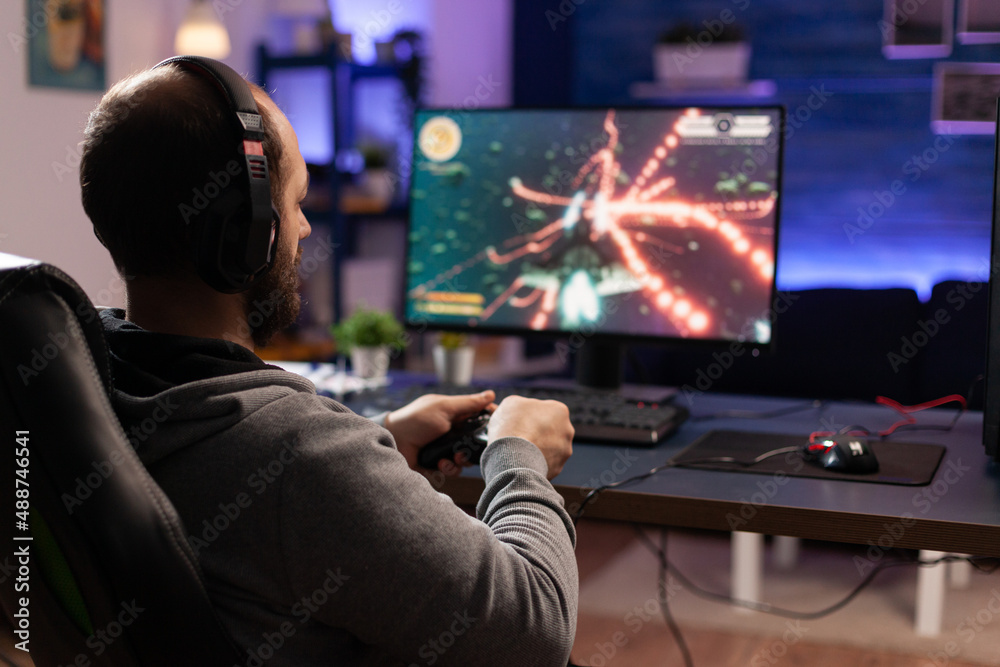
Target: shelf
291 348
333 199
656 90
331 59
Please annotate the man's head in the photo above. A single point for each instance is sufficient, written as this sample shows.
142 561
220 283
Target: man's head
150 149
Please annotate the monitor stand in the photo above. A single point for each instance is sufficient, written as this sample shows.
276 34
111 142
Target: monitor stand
600 367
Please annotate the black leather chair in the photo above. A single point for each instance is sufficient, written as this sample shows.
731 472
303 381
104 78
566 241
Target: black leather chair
112 577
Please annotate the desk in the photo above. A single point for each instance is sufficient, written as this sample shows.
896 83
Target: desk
958 512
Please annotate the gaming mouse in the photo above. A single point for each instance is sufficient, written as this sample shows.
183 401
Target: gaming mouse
844 453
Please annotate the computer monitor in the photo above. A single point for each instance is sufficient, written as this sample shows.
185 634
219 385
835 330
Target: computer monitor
991 401
598 225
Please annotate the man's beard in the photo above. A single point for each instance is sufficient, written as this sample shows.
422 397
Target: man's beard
273 302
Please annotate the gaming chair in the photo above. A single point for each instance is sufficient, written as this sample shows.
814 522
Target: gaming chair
111 575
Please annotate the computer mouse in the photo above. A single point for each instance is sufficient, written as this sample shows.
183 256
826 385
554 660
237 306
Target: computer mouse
844 453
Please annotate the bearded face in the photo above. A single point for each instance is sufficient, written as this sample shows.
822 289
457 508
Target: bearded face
273 302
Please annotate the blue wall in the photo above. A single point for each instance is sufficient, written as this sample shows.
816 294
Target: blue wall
847 154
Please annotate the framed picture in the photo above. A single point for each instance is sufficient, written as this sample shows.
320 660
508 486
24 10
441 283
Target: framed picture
978 22
917 28
965 98
66 43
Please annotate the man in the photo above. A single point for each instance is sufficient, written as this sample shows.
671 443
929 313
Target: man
320 543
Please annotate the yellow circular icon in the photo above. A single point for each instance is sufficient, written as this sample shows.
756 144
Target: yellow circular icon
440 138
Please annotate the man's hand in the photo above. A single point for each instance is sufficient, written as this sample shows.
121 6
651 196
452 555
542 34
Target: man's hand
544 423
428 418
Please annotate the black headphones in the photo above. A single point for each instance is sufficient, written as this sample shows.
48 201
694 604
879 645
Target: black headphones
233 225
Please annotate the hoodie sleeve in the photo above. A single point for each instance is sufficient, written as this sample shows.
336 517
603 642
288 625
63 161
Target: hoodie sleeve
415 574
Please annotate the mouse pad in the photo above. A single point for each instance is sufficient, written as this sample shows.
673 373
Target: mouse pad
909 464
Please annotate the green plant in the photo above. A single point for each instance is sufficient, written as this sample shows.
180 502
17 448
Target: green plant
375 156
683 33
368 328
452 340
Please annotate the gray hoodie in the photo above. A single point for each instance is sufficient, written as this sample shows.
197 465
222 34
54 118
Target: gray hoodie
319 545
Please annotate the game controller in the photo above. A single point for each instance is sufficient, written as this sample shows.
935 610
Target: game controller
468 436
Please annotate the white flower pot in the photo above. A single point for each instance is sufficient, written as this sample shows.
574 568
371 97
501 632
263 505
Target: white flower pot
690 64
453 365
370 362
379 184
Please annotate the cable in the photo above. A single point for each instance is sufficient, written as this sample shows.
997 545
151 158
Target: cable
745 464
592 495
767 414
908 423
664 566
972 388
661 580
589 498
825 611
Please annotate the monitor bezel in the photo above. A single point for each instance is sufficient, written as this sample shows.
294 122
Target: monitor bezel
421 326
991 398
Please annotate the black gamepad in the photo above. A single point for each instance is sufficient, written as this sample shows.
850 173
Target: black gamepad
468 436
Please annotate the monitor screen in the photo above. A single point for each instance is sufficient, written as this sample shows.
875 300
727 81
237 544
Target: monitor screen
653 223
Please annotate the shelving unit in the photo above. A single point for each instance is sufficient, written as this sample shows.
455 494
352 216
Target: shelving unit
344 78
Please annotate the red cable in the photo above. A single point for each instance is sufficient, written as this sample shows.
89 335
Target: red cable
904 410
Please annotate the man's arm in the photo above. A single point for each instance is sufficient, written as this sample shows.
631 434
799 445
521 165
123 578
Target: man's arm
418 573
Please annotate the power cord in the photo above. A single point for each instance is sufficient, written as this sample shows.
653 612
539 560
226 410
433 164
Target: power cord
908 421
766 414
592 495
975 561
664 566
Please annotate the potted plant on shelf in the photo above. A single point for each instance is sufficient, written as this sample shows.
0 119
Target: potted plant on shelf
377 183
716 56
368 335
454 357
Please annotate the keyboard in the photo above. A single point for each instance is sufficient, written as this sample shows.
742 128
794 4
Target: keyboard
600 416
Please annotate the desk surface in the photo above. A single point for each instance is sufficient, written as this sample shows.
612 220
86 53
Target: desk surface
959 511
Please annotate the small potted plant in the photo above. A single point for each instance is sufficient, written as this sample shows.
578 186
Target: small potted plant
378 182
369 336
454 357
714 55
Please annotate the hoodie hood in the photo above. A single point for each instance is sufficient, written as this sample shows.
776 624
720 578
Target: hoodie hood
173 391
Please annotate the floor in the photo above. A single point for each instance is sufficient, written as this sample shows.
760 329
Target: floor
619 623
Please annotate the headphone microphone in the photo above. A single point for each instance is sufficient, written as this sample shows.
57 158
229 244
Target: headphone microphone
234 234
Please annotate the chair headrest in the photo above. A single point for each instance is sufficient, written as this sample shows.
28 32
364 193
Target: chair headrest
22 276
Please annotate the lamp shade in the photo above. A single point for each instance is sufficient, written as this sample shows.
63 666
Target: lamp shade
202 33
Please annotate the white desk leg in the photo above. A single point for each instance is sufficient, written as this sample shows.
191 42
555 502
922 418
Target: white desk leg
960 573
930 595
786 552
747 567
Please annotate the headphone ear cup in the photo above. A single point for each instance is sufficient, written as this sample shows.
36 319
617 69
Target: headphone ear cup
218 237
207 244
